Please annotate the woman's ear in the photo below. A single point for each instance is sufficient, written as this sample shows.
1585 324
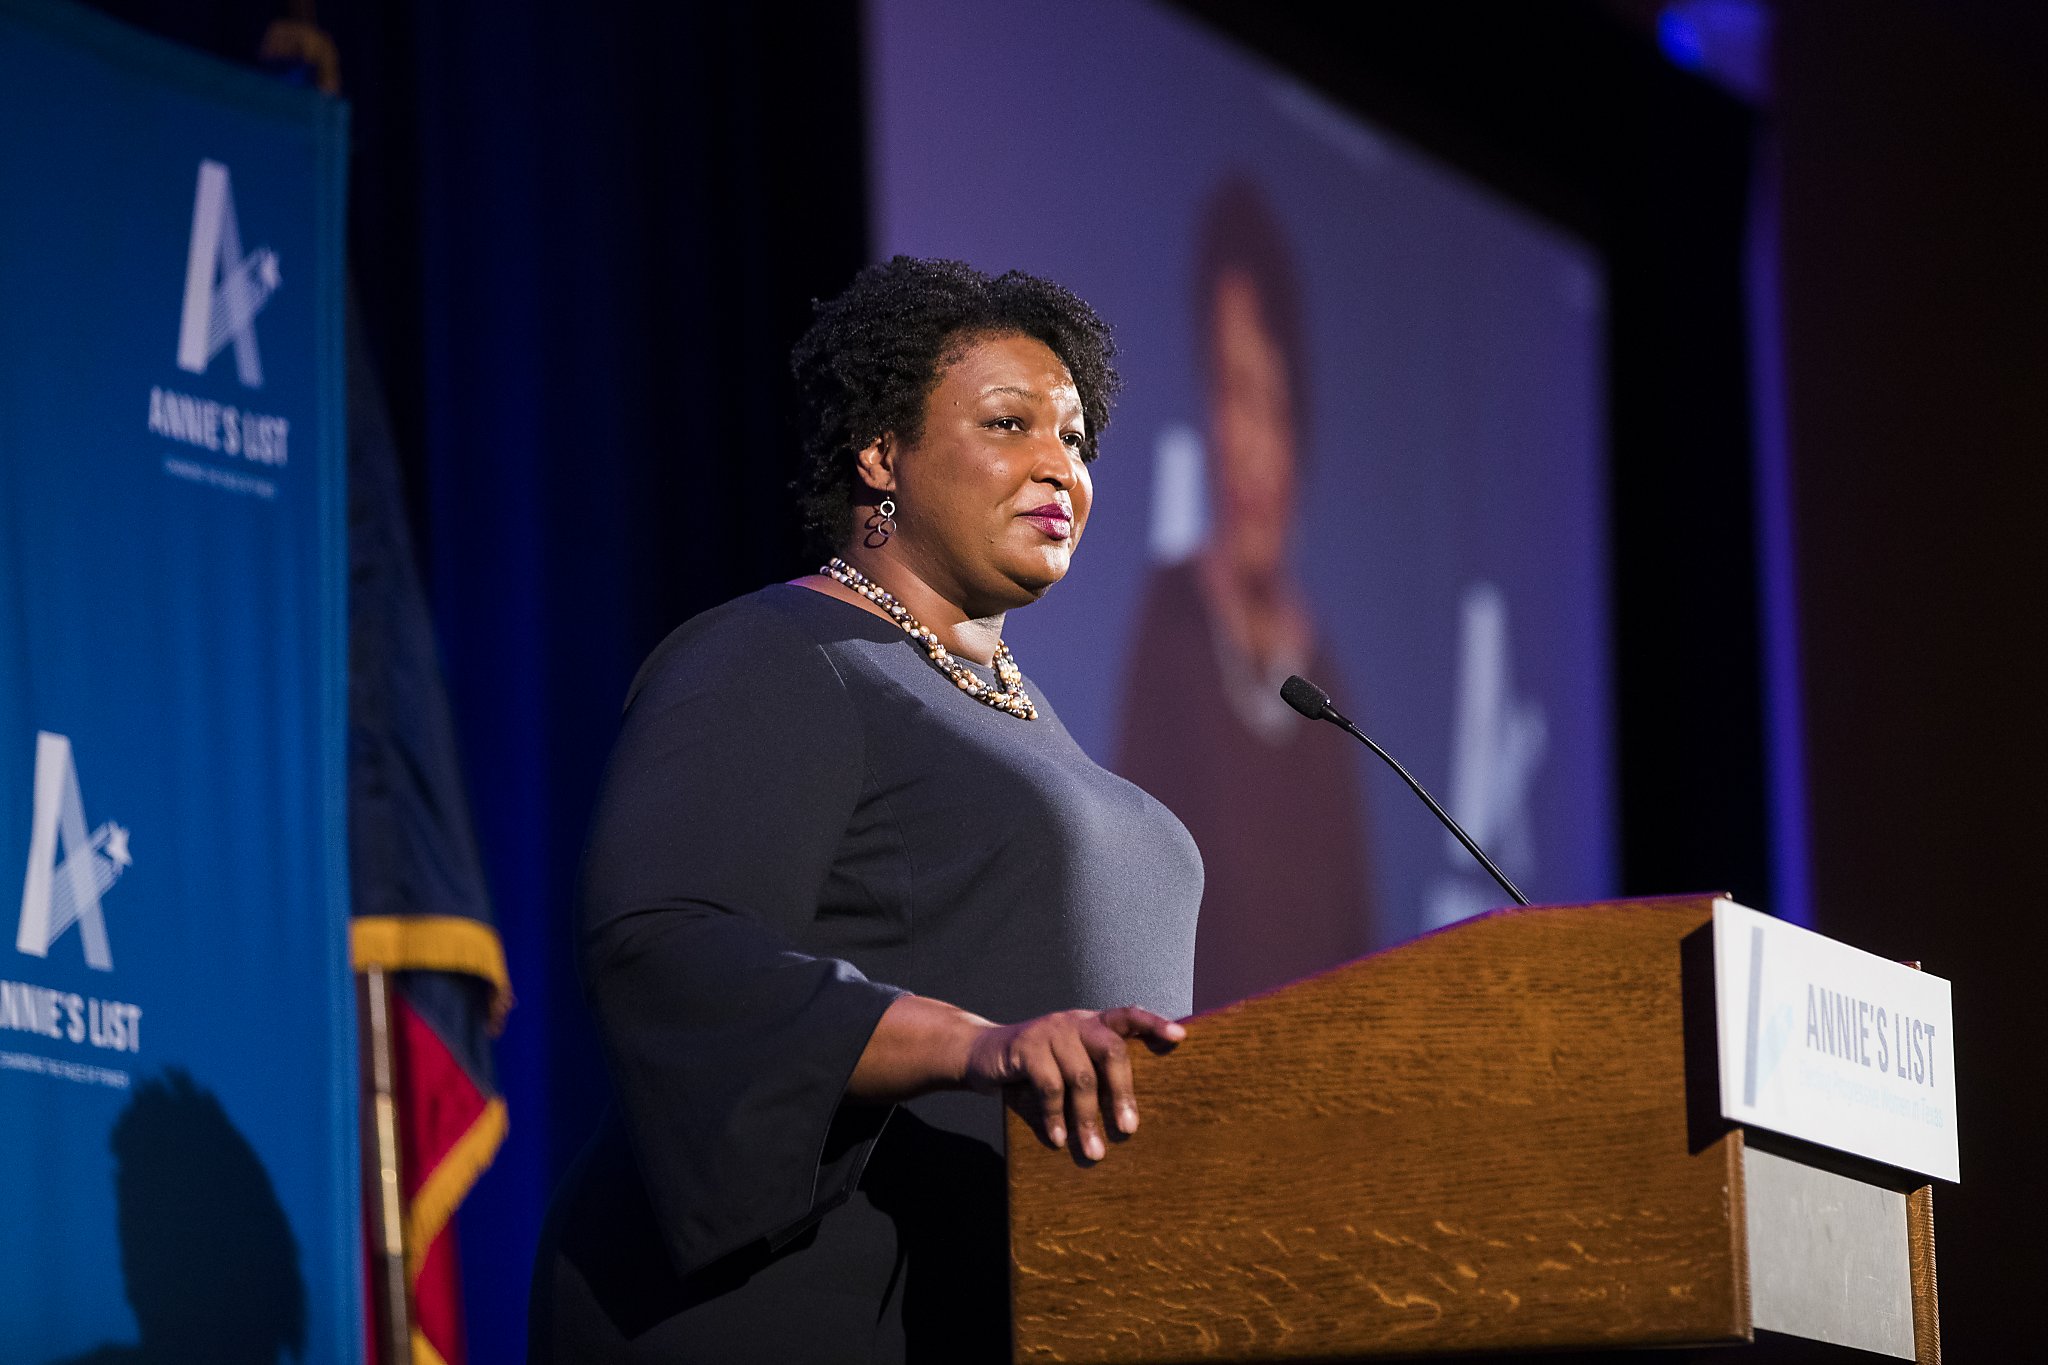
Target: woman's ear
877 463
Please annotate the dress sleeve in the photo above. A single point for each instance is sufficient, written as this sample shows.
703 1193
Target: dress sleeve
736 770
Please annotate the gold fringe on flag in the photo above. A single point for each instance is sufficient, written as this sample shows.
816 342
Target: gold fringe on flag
444 1189
434 943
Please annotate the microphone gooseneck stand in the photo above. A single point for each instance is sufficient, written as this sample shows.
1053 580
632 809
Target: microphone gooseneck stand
1305 697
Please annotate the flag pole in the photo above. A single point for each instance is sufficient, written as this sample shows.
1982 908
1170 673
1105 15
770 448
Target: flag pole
392 1308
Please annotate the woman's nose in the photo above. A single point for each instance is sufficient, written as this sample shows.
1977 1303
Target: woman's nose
1056 465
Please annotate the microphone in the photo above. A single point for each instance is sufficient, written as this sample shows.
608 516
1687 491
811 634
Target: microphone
1305 697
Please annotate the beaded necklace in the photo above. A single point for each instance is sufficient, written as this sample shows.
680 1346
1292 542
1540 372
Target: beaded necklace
1009 696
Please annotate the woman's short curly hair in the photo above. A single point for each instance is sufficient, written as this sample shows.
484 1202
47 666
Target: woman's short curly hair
874 354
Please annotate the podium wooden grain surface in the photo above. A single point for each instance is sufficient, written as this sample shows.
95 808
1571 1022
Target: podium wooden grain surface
1477 1141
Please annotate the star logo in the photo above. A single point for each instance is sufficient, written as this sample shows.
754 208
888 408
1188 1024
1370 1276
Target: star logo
225 287
69 870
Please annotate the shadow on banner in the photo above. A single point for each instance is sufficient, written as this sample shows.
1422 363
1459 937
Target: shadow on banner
208 1260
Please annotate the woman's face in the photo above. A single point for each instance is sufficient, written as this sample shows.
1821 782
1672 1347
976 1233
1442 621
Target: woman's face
992 499
1251 424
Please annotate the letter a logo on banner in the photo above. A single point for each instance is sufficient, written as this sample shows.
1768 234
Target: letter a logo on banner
54 895
224 290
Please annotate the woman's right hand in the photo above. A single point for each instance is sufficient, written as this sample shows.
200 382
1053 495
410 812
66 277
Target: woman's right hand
1069 1074
1063 1072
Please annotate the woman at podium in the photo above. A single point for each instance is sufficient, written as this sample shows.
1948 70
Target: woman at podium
850 880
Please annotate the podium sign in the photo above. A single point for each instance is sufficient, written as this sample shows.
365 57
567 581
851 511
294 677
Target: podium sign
1833 1045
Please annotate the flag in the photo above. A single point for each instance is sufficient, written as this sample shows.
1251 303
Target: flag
421 909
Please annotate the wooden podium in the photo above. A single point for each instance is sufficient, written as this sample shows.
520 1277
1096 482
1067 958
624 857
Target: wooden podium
1502 1136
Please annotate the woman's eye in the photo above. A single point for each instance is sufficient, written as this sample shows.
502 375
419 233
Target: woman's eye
1073 439
1007 424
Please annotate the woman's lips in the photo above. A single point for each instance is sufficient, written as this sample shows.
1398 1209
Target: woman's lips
1052 519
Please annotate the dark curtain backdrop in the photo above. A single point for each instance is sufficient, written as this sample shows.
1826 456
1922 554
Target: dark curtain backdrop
622 222
1915 221
585 236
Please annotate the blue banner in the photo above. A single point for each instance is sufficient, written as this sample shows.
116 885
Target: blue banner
177 1054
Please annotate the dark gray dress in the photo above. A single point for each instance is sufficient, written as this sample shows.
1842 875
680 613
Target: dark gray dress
802 818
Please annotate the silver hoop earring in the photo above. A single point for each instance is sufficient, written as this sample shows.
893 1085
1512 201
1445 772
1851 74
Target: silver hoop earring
881 525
